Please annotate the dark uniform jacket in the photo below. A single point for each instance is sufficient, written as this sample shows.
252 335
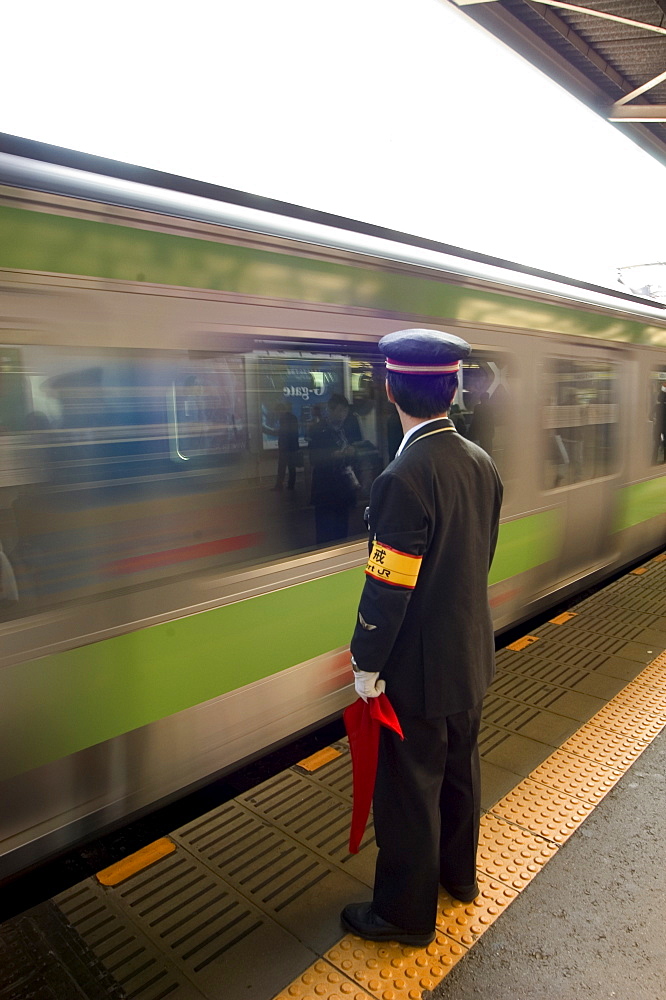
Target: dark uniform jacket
424 620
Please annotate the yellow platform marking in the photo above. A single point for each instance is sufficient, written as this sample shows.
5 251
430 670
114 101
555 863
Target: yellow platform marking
660 558
394 972
639 571
613 749
543 810
323 980
566 616
466 922
523 643
518 836
318 759
510 854
583 779
136 862
644 721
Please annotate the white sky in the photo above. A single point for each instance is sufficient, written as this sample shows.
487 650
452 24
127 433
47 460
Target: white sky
398 112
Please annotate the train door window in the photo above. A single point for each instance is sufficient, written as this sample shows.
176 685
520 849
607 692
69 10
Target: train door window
580 421
322 433
657 414
296 385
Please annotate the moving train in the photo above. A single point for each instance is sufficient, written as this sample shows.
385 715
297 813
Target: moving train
166 609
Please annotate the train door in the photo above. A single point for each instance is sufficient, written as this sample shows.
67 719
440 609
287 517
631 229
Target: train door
580 453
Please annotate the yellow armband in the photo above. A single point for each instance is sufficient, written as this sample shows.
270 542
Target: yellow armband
392 566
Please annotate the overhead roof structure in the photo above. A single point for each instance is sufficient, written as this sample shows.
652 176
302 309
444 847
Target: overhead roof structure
611 54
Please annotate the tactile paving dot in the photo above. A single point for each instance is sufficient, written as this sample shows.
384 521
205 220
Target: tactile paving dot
465 922
391 971
604 746
575 776
542 810
322 981
509 854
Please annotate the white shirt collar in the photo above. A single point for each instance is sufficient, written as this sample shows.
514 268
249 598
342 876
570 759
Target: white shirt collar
412 430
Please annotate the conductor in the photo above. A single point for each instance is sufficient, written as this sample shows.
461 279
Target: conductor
424 634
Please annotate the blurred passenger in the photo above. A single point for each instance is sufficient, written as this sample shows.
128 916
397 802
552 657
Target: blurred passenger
334 483
425 635
482 426
352 428
287 441
456 415
393 432
314 423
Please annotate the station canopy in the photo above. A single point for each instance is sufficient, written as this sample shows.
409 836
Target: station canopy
611 54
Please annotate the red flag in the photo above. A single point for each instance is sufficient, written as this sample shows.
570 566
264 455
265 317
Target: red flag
362 722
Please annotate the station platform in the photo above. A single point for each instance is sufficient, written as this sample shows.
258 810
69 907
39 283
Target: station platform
245 901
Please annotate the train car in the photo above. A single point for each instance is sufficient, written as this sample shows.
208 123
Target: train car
167 611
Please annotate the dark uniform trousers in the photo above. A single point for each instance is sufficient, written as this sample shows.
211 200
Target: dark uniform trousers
427 810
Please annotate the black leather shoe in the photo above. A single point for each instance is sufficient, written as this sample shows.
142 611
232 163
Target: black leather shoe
465 893
361 919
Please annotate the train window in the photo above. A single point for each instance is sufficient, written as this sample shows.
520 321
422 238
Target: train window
137 468
323 425
580 417
208 408
657 414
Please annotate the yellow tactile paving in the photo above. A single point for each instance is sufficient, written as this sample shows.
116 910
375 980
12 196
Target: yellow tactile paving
644 698
654 675
545 811
652 679
391 971
613 749
133 863
509 854
323 980
625 717
465 922
582 779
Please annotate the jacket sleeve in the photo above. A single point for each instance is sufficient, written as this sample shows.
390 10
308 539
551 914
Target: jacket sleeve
399 533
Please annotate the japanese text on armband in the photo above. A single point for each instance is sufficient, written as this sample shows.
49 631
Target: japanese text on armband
392 566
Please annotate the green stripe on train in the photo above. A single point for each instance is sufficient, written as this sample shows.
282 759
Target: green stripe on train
525 543
107 688
640 502
37 241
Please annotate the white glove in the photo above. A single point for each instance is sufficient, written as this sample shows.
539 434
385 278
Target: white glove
367 683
